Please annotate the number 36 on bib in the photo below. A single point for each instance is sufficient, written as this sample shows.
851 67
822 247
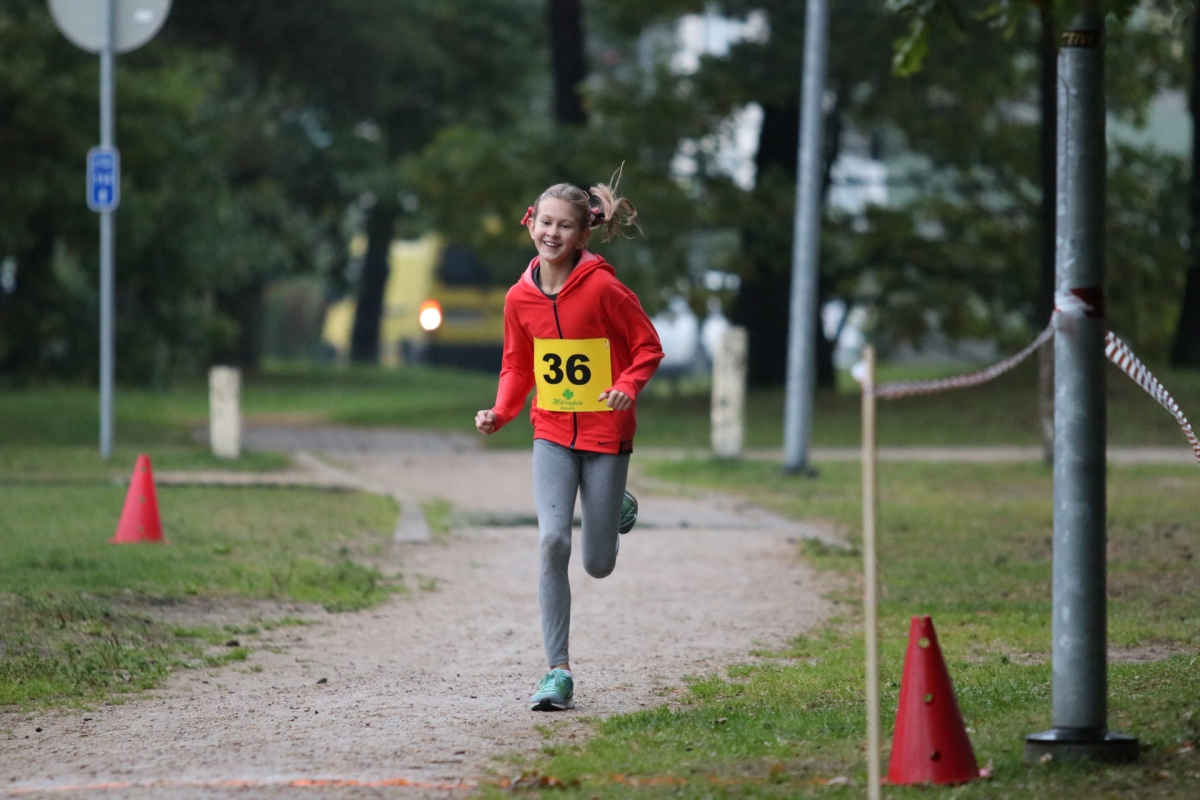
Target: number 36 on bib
571 373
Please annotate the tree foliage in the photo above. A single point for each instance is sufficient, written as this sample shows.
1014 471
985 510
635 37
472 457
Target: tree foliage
185 233
475 182
956 249
1147 223
248 130
926 16
245 132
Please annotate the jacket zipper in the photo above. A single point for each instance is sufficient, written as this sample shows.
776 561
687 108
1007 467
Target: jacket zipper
574 414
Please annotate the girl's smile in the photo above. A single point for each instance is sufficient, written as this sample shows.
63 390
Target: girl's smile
557 233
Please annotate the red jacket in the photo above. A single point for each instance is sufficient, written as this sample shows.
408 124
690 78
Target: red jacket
592 304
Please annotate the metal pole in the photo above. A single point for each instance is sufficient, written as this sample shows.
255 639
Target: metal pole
1079 624
806 241
1080 687
870 484
107 237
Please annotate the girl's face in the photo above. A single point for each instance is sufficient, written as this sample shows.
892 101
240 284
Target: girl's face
556 232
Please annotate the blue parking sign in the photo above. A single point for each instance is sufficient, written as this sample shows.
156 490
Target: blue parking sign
103 178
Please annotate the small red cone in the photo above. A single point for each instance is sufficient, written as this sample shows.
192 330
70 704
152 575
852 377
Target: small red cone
139 518
930 744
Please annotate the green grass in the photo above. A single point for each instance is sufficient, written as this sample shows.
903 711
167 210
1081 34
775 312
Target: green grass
968 545
75 649
252 542
25 464
431 398
1002 412
76 613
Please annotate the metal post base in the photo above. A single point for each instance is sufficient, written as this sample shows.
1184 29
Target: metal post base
1079 744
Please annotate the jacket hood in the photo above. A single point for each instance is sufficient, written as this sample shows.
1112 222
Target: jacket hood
589 262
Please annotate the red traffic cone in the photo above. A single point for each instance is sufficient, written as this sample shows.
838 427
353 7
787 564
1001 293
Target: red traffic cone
930 744
139 518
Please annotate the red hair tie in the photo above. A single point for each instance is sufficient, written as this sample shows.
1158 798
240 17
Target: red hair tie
597 217
528 214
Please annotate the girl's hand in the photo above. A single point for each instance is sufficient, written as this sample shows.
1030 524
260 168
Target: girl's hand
485 422
618 401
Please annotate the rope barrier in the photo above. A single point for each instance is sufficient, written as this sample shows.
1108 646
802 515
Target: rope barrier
1114 349
895 390
1119 353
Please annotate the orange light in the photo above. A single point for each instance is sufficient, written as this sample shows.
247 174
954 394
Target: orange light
430 315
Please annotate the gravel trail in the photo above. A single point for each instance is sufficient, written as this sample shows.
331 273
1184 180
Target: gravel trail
427 695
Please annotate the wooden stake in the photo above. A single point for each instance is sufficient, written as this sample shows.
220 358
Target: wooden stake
870 518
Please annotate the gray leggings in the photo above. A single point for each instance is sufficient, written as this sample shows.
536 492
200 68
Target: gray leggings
599 478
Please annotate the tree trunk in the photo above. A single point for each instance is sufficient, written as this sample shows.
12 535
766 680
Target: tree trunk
826 372
568 60
762 303
1048 51
1185 350
368 314
249 310
244 305
26 316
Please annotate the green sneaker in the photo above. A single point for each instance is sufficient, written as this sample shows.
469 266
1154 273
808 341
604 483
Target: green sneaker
554 692
628 513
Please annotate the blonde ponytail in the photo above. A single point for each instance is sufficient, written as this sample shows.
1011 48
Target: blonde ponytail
613 212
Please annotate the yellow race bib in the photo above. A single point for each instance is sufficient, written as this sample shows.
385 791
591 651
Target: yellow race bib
571 373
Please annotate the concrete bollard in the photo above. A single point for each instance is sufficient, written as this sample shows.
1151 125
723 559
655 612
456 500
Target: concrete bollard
729 393
224 411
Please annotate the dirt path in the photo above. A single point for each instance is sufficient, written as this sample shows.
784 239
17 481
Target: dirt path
427 695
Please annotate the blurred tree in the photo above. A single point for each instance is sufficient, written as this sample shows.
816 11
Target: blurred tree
184 234
475 182
245 131
957 248
411 68
1144 57
963 145
1185 349
947 122
569 60
368 314
1047 217
391 73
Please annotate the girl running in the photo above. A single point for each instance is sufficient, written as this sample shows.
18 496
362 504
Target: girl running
577 333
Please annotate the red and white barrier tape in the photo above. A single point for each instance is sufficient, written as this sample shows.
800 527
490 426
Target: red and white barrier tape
894 390
1116 350
1119 353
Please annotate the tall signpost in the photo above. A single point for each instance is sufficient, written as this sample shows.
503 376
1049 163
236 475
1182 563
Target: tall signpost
1079 624
107 27
806 242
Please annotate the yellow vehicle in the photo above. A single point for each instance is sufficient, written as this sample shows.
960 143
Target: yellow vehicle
439 307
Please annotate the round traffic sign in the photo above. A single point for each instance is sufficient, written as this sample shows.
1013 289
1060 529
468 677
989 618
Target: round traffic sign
134 22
